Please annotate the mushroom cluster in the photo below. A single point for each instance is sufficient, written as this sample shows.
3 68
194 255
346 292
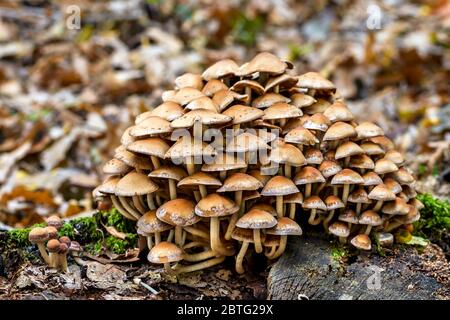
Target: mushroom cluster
237 155
54 250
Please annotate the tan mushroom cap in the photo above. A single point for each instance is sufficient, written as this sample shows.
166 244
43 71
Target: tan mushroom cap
168 95
283 81
184 147
301 100
287 153
308 174
204 103
165 252
250 195
314 202
384 165
370 218
317 122
132 160
338 111
215 205
263 178
329 168
149 223
348 149
368 130
403 176
213 86
301 136
294 198
224 98
266 135
372 179
285 227
168 172
151 146
359 196
347 176
220 69
412 216
362 161
53 245
362 241
150 126
396 207
333 203
242 114
115 166
279 186
394 156
246 235
200 178
224 162
339 229
263 62
381 193
313 156
349 216
203 115
253 85
246 142
313 80
178 212
264 207
126 139
372 149
135 184
168 110
189 80
239 182
409 191
416 203
271 241
40 234
281 110
383 142
256 219
269 99
393 185
109 185
339 130
186 95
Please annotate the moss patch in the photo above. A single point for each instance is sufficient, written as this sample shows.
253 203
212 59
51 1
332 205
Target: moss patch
434 220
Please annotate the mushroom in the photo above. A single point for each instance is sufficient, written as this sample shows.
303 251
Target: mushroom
381 193
346 150
287 154
340 230
362 242
333 203
153 147
53 248
293 200
200 179
350 217
246 144
359 196
301 100
184 95
74 251
150 225
172 174
265 63
279 186
366 130
314 203
62 254
385 239
221 69
150 126
213 86
39 236
307 176
279 83
242 114
284 228
140 163
246 236
54 221
166 253
256 220
268 99
280 112
346 177
337 132
224 162
338 111
371 219
302 137
168 110
314 81
109 187
116 167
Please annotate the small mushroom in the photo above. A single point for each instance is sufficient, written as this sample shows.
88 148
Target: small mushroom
333 203
340 229
53 248
256 220
346 177
314 203
39 236
284 228
246 236
362 242
279 186
371 219
166 253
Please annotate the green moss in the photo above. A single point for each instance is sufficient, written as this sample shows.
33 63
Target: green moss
338 253
115 219
434 217
119 246
378 247
19 237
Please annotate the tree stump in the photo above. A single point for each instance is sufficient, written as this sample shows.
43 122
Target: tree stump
314 267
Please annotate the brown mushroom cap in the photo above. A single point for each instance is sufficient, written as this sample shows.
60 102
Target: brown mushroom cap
283 81
314 202
241 234
220 69
339 229
264 207
224 162
339 130
302 136
168 110
348 149
54 221
287 153
200 178
361 161
109 185
347 176
313 80
53 245
349 216
241 85
151 146
381 193
213 86
184 147
294 198
240 181
329 168
394 156
393 185
52 232
215 205
132 160
165 252
317 122
126 139
333 203
115 166
246 142
38 234
359 196
367 130
281 110
203 103
301 100
308 175
166 172
338 111
186 95
403 176
224 98
313 156
384 165
396 207
269 99
149 223
205 116
263 62
263 178
256 219
384 142
242 114
372 149
370 218
178 212
372 179
189 80
279 186
134 184
285 227
150 126
361 241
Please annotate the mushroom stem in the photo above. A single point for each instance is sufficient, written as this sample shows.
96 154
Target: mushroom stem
157 237
200 256
312 218
392 225
287 170
52 260
308 188
129 208
137 203
270 253
328 219
195 244
151 202
282 122
358 208
155 161
216 244
335 191
281 248
44 253
179 236
63 262
378 205
320 187
292 210
240 257
280 206
248 93
223 175
121 209
149 242
167 268
345 193
346 161
236 128
190 166
200 266
257 240
197 232
368 229
172 189
170 236
203 190
234 216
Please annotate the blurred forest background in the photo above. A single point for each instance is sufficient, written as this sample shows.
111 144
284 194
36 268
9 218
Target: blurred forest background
67 94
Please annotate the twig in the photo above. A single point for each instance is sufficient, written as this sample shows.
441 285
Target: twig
139 282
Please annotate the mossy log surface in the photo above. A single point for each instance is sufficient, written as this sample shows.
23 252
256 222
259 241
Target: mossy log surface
313 267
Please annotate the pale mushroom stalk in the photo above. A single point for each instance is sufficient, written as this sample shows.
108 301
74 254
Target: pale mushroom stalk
155 161
200 266
345 193
281 248
43 252
216 244
327 220
292 210
378 205
157 237
223 175
203 190
312 218
271 252
368 229
257 240
393 225
151 202
121 209
235 216
248 93
358 208
172 189
196 232
343 240
195 257
179 236
195 244
63 262
170 236
287 170
240 257
138 204
320 188
149 242
129 208
280 206
335 191
308 188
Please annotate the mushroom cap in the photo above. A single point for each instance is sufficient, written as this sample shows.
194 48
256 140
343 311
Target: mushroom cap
165 252
383 141
412 216
241 234
271 241
394 156
381 193
347 176
348 149
302 136
403 176
184 148
263 62
168 95
314 202
203 103
339 229
241 85
200 178
329 168
132 160
339 130
281 110
279 186
285 227
213 86
54 221
224 162
384 165
287 153
249 195
313 156
338 111
361 161
192 80
283 81
242 114
308 174
63 248
185 95
362 241
135 184
53 245
168 110
264 207
367 130
215 205
385 239
75 247
256 219
205 116
239 182
396 207
224 98
393 185
416 203
333 203
220 69
166 172
269 99
150 126
52 232
65 239
370 218
126 139
149 223
115 166
372 179
246 142
178 212
294 198
151 146
301 100
313 80
38 234
349 216
266 135
409 191
317 122
263 178
359 196
372 149
109 185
